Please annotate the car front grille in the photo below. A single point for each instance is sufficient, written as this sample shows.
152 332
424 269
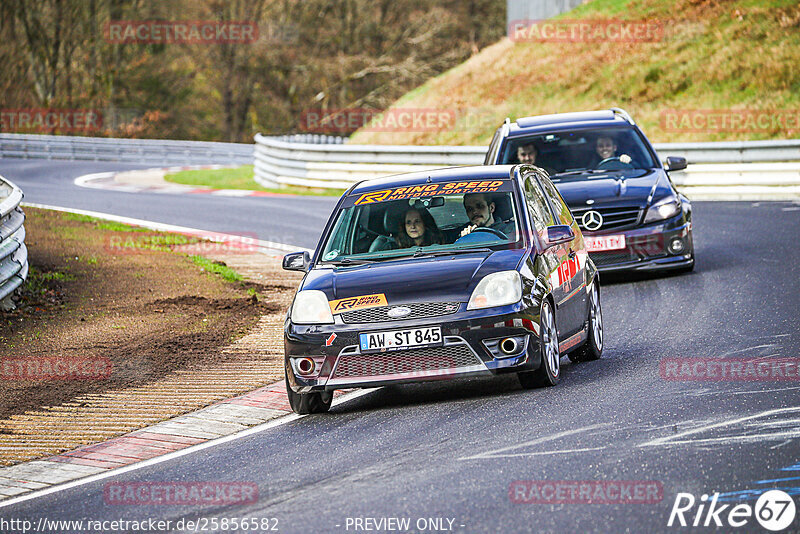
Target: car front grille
418 311
419 361
606 258
612 217
637 249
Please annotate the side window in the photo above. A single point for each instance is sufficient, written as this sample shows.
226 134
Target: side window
537 205
558 204
491 154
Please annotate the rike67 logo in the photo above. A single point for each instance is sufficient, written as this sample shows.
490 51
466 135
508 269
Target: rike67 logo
774 510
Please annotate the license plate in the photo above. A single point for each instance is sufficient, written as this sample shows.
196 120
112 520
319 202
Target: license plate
598 243
400 339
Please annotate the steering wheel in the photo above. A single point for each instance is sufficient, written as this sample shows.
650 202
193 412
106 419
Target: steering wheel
612 163
494 231
477 237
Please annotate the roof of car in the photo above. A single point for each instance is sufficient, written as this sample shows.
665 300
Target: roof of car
576 120
470 173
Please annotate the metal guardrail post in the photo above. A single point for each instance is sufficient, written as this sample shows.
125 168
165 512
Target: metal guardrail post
150 151
13 254
315 161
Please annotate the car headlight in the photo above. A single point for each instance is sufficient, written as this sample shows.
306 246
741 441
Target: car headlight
663 209
496 289
311 307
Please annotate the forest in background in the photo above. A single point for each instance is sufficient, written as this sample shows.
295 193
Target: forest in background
309 54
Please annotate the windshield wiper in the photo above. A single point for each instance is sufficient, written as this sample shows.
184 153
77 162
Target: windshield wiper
350 261
582 171
419 252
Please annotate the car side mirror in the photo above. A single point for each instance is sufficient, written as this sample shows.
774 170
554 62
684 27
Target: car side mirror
559 233
675 163
297 261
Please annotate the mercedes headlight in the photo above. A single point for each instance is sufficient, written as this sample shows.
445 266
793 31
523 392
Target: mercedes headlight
663 209
496 289
311 307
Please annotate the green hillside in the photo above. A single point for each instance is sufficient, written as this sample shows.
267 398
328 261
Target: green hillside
713 57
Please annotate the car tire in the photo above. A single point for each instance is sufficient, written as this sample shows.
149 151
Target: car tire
308 403
549 372
593 348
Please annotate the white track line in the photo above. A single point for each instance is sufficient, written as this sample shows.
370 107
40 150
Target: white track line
674 439
163 227
86 179
500 453
177 454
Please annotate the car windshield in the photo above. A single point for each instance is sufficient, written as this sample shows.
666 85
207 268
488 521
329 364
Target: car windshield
582 152
424 219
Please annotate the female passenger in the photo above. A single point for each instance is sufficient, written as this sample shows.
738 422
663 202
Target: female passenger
418 229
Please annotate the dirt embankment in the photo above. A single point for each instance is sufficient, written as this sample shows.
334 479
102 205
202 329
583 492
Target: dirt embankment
108 308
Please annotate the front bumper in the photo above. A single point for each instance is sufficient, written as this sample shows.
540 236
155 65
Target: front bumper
468 349
648 248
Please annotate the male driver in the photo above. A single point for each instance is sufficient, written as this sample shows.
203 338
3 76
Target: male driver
606 150
606 147
480 211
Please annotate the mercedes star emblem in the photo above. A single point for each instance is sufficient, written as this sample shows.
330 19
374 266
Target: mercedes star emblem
592 220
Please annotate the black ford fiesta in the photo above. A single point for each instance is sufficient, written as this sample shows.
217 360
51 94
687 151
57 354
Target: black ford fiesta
437 275
631 215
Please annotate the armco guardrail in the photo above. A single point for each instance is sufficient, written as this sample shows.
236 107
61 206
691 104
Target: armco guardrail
733 151
13 254
148 151
741 170
289 160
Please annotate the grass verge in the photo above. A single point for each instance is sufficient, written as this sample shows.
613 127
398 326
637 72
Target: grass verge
240 178
711 57
218 268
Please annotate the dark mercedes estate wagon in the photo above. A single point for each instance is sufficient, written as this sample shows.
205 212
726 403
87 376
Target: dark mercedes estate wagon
632 216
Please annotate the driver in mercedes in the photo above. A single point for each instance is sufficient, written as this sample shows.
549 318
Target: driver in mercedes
480 211
606 155
606 147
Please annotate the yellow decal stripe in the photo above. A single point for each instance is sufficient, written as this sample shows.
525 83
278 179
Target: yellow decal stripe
426 190
357 303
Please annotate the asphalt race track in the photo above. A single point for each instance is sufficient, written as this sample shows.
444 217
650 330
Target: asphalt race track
278 219
455 450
